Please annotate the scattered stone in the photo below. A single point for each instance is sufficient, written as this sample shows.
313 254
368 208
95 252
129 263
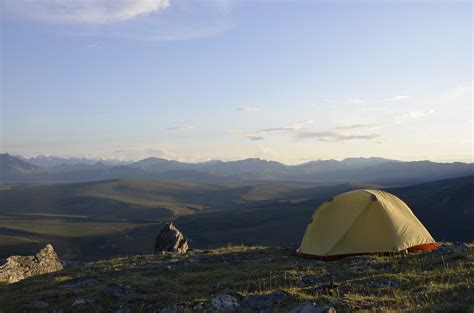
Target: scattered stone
308 307
38 304
82 302
198 306
85 283
265 302
306 281
18 268
225 302
180 307
388 283
119 291
324 287
170 239
121 309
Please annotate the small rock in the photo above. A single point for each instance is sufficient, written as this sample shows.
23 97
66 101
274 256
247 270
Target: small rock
225 302
308 307
388 283
38 304
305 281
170 239
324 287
81 283
265 302
119 291
198 306
81 302
121 309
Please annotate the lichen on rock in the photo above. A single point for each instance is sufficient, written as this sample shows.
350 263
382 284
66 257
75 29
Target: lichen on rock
17 267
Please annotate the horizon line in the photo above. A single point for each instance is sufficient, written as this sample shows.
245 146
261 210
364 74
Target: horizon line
465 161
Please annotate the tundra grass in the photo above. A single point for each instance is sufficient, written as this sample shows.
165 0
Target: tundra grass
429 281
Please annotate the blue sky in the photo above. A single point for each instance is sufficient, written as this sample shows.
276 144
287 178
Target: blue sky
217 79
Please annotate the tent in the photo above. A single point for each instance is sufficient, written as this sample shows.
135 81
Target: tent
364 221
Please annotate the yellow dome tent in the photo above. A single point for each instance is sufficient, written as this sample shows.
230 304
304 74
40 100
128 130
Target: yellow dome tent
364 221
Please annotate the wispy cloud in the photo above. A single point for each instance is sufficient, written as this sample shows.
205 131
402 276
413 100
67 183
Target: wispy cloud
94 46
143 20
335 136
248 109
286 129
397 98
371 109
255 138
301 130
415 114
179 127
86 12
137 153
354 101
358 126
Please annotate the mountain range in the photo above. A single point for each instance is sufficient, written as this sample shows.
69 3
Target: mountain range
374 170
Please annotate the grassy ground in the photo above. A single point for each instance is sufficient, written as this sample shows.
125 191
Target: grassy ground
439 281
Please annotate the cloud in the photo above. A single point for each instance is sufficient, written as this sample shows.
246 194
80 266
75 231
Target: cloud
335 136
370 109
354 101
94 46
180 127
398 98
358 126
248 109
300 129
86 11
415 114
255 138
286 129
141 153
143 20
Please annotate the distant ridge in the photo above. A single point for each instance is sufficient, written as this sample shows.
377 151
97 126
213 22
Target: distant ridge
11 167
373 170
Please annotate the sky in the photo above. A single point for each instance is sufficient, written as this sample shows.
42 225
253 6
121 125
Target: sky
195 80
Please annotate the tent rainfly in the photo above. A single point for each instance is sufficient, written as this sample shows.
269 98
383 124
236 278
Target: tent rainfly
361 222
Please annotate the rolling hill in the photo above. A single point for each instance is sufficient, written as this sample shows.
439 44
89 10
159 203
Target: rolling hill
248 171
100 219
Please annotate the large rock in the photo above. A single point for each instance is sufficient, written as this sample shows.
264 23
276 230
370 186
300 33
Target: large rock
170 239
17 267
225 302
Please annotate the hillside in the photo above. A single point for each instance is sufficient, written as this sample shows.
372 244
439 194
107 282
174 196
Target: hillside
256 278
12 168
445 207
102 219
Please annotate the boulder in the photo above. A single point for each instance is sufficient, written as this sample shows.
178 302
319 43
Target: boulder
17 267
225 302
170 239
